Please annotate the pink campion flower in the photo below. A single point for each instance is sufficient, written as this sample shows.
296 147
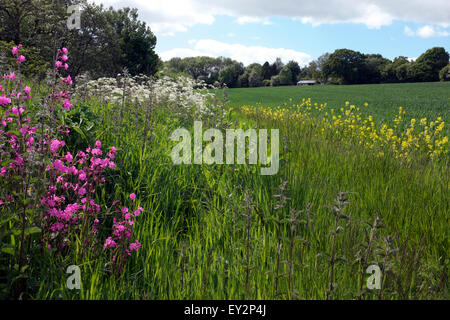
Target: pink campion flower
124 210
66 66
68 157
15 50
12 76
64 50
56 144
27 90
4 100
132 196
109 243
135 246
98 144
58 64
66 104
64 58
21 59
82 175
68 80
81 192
57 226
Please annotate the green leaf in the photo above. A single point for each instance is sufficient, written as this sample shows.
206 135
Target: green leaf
32 230
8 249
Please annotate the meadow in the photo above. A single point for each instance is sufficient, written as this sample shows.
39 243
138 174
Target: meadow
419 99
353 190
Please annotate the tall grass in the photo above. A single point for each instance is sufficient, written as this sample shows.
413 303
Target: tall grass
200 242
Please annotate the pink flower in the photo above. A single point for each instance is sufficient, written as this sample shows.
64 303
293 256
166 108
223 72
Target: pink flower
27 90
109 243
132 196
55 145
66 66
15 50
82 175
68 157
81 192
135 246
12 76
21 59
65 50
58 64
4 100
64 58
68 80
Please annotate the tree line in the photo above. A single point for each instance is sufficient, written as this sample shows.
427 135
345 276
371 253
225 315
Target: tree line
108 41
343 66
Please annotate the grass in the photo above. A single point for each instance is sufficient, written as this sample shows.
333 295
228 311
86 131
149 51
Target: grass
220 232
419 99
203 239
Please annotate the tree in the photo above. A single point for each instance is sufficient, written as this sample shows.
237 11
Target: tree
276 66
428 65
275 81
374 65
347 66
266 71
137 42
295 70
108 40
230 74
444 74
255 78
285 76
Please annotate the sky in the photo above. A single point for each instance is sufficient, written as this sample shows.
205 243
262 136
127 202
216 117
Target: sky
300 30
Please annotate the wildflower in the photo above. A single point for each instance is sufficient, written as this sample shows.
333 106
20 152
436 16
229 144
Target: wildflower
81 192
132 196
55 145
135 246
21 59
4 100
27 90
68 80
15 50
109 243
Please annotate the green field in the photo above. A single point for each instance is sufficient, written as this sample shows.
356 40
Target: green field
418 99
335 207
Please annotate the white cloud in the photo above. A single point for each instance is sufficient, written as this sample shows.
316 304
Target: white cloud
168 16
247 19
426 31
239 52
231 35
408 31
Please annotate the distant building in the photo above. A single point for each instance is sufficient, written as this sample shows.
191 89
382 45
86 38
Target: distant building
306 82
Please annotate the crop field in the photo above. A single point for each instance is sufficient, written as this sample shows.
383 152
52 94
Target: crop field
419 99
88 183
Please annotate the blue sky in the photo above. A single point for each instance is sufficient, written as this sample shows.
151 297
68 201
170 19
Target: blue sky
260 30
